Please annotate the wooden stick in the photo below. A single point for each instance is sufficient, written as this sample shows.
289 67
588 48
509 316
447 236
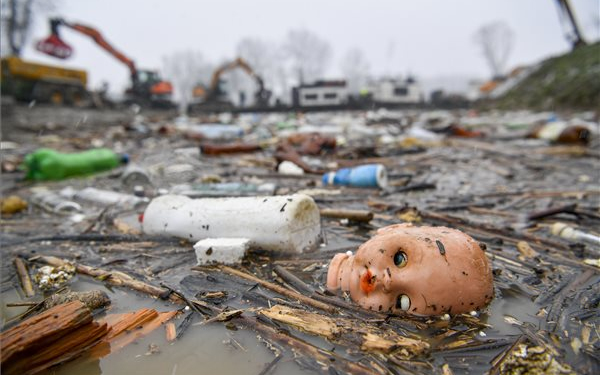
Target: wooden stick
293 280
21 304
116 278
325 357
281 290
24 277
569 208
352 215
171 331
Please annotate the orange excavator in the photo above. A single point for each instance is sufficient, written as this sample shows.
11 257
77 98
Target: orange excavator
215 96
147 87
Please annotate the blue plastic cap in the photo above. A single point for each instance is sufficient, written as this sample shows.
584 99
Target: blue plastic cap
125 158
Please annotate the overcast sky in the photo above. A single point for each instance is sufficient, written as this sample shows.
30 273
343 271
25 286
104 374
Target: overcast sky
427 38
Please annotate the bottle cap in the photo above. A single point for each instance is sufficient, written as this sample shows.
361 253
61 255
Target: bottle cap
125 158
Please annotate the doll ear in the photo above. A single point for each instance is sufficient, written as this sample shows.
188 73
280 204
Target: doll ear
392 228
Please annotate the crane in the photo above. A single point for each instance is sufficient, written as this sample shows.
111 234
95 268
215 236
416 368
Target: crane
147 87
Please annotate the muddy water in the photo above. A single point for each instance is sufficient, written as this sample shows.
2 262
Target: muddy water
215 349
203 349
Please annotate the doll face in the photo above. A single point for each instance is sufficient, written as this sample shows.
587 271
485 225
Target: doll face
420 270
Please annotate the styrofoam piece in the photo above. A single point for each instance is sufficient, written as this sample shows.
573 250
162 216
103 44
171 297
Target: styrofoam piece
221 250
279 223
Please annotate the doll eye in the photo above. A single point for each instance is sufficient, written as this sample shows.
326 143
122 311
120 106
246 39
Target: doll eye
403 302
400 259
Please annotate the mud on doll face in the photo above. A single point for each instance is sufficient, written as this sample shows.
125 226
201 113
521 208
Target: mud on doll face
420 270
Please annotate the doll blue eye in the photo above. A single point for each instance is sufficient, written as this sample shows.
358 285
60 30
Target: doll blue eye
400 259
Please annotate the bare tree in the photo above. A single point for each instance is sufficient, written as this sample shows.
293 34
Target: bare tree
355 67
496 40
186 69
261 56
257 53
17 19
309 54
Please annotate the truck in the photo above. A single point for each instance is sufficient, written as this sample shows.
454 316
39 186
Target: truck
28 81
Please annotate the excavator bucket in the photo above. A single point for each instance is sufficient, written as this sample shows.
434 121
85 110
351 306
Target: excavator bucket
54 46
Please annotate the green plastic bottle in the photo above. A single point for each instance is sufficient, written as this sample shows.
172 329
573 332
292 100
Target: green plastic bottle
47 164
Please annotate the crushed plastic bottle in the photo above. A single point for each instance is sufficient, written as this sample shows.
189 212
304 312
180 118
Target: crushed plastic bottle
103 197
47 164
278 223
53 202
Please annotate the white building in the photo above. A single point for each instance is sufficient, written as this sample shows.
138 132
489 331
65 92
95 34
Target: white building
396 91
321 93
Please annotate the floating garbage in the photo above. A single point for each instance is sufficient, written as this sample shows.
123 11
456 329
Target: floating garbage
230 148
420 270
221 250
134 175
53 202
12 204
279 223
47 164
103 197
288 168
215 131
48 277
570 233
369 175
562 132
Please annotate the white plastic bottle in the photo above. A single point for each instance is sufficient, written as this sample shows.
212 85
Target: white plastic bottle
279 223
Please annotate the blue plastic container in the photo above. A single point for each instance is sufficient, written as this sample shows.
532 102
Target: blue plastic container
370 175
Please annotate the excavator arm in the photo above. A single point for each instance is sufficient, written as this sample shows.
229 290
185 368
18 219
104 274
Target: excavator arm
262 95
146 85
95 35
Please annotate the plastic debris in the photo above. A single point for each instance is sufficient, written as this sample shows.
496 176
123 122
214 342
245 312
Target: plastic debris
370 175
47 164
278 223
103 197
134 175
570 233
53 202
214 131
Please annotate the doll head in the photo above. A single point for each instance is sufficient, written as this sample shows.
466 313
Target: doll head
420 270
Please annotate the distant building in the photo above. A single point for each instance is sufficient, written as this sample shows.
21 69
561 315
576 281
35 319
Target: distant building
474 90
396 91
321 93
